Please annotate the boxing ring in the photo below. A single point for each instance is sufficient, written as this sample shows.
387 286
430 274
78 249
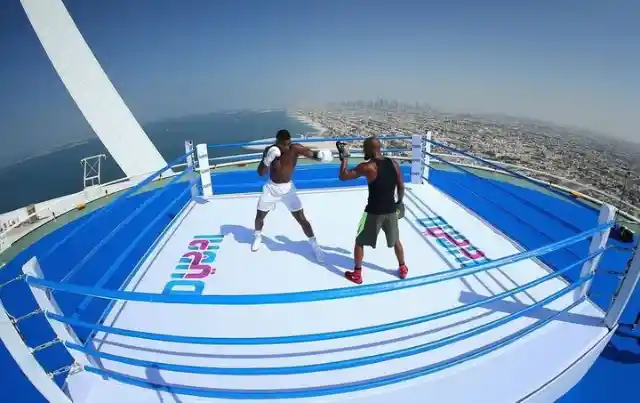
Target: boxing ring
199 317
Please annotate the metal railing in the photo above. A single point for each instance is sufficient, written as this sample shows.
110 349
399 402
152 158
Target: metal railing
580 194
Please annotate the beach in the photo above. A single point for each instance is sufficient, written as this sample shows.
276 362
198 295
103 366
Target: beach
306 120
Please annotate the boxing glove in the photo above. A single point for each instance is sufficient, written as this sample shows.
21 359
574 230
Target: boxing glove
271 153
343 150
324 156
400 210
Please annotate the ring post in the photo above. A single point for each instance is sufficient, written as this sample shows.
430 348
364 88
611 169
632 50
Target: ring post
205 170
193 180
417 158
598 242
426 152
623 294
46 302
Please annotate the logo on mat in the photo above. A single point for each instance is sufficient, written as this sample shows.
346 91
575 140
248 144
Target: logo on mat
194 266
456 244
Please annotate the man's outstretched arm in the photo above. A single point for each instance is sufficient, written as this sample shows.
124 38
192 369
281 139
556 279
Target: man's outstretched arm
349 174
306 152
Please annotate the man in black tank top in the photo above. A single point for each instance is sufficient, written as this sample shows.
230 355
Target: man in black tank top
382 211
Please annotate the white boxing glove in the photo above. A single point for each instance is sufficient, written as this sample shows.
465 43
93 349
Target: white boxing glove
325 155
272 153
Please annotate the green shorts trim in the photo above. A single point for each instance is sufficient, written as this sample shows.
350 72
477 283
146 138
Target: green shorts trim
363 220
370 225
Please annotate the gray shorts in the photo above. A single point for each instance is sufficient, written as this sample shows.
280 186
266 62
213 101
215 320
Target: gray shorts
370 226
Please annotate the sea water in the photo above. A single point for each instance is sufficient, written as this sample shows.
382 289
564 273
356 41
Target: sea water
59 172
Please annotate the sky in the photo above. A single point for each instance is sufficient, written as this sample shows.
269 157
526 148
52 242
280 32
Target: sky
573 62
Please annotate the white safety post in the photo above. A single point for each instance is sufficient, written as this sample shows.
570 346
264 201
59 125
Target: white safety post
598 241
425 152
625 291
417 158
193 179
205 170
46 302
27 362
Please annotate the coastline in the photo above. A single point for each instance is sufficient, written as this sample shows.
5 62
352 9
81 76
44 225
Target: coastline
320 130
168 136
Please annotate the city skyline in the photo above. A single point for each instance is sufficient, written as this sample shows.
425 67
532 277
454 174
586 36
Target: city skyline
604 169
568 63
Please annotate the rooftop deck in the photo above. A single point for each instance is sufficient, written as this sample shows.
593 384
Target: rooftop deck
286 265
458 323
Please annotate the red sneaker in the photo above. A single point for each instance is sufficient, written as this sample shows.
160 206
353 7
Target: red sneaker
403 271
355 276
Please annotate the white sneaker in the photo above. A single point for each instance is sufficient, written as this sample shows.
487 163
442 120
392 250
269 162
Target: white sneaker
318 252
257 242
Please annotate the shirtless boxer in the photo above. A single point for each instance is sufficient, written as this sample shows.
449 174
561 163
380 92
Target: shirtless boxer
281 159
382 211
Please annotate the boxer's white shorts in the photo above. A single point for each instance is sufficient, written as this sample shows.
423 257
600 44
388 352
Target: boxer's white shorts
272 193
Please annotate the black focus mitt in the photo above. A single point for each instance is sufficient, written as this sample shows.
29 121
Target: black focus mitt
400 210
343 150
621 233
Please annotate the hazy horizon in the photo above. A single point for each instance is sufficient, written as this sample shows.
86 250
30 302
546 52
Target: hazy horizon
570 63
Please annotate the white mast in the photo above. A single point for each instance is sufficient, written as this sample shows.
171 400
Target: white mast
91 89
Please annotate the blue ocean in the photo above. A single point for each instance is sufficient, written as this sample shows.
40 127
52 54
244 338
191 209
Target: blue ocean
59 172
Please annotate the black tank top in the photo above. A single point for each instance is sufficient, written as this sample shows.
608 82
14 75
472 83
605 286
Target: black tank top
382 190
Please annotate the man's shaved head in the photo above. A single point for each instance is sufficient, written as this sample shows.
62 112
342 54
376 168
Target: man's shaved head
371 147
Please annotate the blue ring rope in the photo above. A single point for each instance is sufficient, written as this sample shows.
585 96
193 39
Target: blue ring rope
318 295
254 156
492 201
527 202
334 365
314 140
233 157
527 224
332 389
410 193
485 327
114 266
325 139
315 336
395 150
516 174
133 272
112 204
124 222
